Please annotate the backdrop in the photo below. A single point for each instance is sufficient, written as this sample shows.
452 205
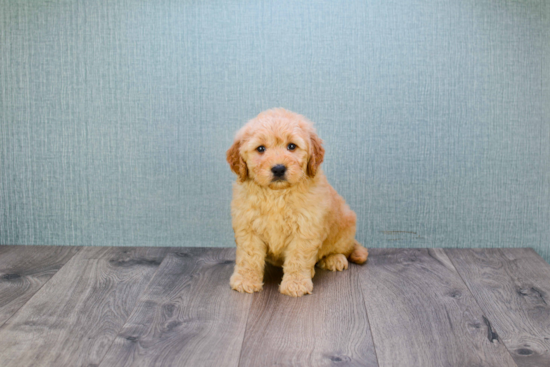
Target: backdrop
116 115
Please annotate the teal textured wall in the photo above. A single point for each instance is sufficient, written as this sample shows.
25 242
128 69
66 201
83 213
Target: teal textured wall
116 115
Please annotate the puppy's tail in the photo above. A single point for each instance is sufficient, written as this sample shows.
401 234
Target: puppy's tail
359 254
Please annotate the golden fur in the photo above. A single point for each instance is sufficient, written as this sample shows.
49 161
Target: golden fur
294 223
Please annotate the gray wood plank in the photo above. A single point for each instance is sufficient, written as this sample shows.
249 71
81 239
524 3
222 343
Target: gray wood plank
188 316
422 314
24 270
73 319
512 286
326 328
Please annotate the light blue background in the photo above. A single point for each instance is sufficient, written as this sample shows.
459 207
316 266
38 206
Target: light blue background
116 115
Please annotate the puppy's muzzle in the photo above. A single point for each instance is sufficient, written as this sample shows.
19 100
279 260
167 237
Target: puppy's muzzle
278 172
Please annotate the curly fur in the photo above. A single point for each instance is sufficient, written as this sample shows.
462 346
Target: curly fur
295 223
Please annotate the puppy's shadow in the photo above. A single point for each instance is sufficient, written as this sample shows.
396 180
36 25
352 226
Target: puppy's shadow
273 275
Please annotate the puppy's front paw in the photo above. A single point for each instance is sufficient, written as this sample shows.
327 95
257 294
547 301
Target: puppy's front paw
296 286
243 284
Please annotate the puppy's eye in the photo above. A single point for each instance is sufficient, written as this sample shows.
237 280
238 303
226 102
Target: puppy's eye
291 146
260 149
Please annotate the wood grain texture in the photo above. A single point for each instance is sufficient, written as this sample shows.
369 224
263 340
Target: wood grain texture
74 318
326 328
188 316
422 314
24 270
512 286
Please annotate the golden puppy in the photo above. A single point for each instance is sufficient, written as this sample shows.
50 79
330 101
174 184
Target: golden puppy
284 211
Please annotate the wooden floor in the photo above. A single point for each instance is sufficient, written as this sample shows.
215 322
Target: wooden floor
100 306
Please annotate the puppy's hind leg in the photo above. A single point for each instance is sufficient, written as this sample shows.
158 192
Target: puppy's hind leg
359 254
334 262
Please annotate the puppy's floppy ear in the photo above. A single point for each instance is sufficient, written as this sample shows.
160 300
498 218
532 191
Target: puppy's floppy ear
236 161
316 155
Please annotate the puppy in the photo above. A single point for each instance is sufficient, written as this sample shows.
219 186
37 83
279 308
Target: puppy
283 209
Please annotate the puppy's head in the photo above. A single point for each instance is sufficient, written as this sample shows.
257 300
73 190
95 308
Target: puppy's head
276 149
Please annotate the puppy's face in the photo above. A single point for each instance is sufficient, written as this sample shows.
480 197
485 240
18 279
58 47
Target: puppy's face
276 157
277 149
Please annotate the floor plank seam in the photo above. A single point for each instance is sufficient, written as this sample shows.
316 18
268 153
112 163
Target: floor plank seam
358 280
478 304
39 289
134 308
246 327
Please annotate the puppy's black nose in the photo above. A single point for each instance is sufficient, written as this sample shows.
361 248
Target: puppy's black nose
278 170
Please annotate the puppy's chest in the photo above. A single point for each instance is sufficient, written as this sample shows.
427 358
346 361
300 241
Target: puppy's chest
276 222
